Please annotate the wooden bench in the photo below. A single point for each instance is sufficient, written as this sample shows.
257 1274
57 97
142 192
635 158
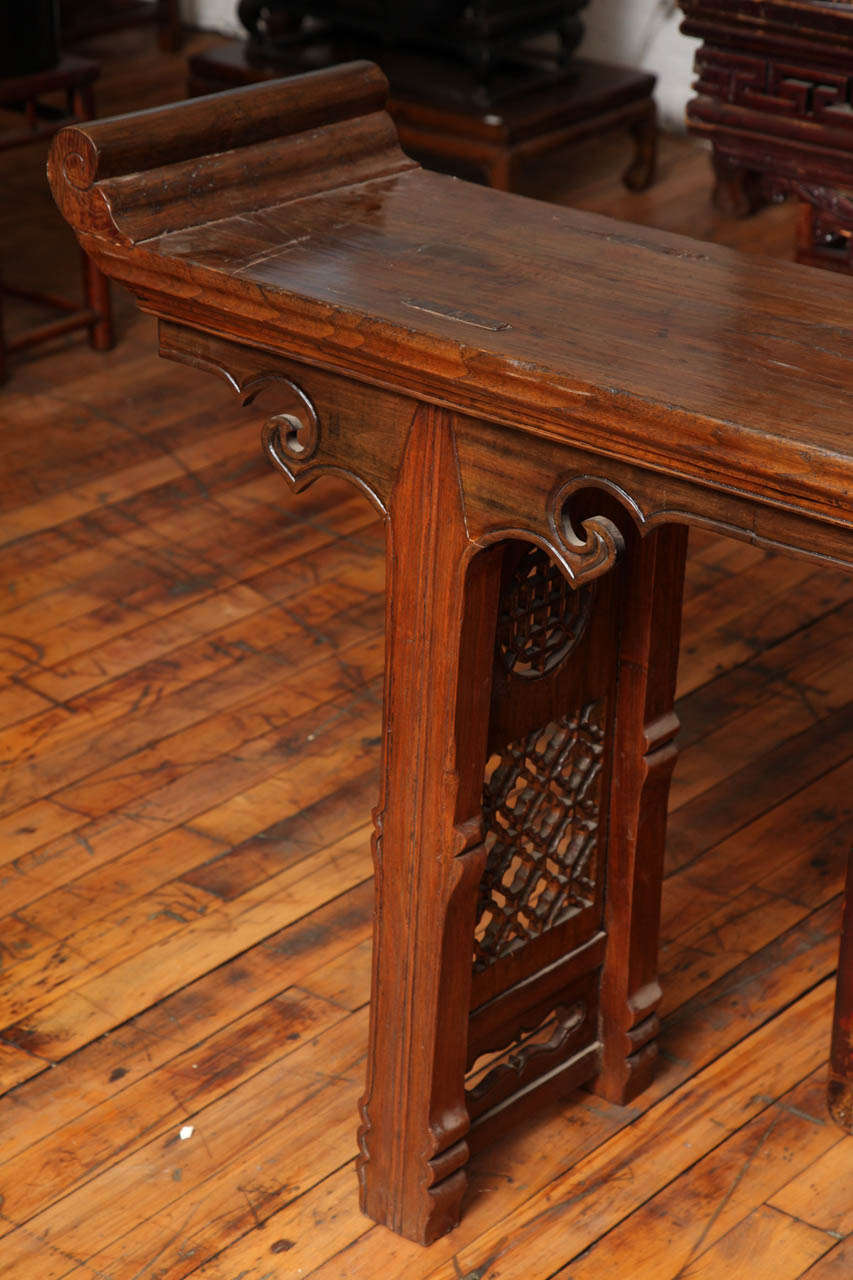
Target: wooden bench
539 402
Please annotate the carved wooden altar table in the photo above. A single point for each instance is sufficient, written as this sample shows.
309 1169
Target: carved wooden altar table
538 402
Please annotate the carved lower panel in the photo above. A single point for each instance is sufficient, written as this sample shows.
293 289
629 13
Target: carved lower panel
507 1071
546 1053
541 811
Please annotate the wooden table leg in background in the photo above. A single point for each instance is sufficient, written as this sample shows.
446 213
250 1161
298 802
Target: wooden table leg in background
840 1089
513 871
535 585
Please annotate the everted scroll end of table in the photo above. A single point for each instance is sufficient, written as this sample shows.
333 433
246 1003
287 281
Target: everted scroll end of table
120 183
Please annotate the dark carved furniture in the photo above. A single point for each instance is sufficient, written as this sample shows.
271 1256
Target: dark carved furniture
775 98
73 77
446 116
538 402
84 18
481 32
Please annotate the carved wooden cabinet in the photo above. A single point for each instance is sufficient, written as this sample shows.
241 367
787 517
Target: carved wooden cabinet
538 402
775 98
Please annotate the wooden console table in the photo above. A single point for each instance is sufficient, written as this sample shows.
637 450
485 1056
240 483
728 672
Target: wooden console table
539 402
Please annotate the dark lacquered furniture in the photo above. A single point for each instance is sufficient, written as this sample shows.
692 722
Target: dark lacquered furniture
22 98
538 402
775 98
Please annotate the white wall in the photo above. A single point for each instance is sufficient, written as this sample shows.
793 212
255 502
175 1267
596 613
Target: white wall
636 33
212 15
644 33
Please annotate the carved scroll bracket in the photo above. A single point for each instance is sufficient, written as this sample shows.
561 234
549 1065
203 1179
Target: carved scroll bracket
582 555
296 435
291 435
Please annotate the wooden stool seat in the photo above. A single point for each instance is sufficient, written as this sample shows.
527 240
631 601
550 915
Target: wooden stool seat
446 115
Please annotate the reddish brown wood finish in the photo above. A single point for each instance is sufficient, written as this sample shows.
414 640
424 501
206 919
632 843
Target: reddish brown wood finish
83 18
774 95
840 1089
495 375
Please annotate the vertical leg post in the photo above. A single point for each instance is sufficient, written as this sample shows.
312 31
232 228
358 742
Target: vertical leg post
643 761
840 1087
96 291
428 847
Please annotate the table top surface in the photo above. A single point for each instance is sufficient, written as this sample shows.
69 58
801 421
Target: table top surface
589 311
285 216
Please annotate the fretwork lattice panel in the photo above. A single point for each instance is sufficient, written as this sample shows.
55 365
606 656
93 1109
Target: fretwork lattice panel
541 813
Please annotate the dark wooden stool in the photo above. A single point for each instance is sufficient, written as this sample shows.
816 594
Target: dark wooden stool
74 77
775 88
444 114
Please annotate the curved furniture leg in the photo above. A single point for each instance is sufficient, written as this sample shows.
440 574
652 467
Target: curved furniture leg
640 174
737 191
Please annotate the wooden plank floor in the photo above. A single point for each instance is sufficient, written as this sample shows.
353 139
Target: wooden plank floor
189 729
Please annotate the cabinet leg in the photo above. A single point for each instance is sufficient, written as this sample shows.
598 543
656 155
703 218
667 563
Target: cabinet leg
840 1088
96 290
428 847
640 174
737 191
643 760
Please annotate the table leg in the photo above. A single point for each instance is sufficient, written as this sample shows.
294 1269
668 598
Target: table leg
428 848
640 174
430 854
169 25
737 190
96 291
643 760
840 1088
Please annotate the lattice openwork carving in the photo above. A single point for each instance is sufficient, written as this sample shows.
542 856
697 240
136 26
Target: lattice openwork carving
541 805
542 617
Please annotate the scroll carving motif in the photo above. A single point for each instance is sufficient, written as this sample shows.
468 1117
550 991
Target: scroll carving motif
541 812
